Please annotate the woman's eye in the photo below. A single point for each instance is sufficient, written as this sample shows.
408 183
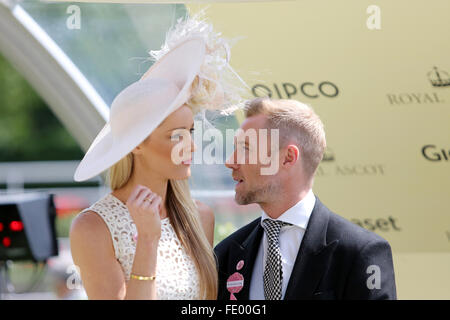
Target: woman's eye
179 134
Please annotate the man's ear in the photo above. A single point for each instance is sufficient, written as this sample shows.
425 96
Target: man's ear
291 155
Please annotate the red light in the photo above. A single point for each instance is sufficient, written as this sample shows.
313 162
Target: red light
1 226
6 242
16 226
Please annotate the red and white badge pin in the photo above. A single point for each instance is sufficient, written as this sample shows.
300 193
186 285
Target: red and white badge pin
235 282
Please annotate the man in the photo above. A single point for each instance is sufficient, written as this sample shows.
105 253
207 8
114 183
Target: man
298 249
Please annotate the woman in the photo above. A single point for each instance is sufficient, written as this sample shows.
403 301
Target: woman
148 239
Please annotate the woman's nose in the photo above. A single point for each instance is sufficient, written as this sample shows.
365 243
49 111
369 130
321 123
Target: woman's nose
193 145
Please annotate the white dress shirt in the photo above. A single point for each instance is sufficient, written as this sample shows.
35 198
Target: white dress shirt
290 240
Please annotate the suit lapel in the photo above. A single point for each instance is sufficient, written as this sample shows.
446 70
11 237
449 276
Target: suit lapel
247 252
313 257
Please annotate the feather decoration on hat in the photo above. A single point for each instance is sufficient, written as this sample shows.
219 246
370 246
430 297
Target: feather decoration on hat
217 86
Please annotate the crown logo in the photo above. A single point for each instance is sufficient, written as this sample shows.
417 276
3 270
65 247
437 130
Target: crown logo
439 78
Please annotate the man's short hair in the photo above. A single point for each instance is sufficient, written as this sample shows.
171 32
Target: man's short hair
297 123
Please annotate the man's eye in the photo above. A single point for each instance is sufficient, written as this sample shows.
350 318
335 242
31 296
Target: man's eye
243 146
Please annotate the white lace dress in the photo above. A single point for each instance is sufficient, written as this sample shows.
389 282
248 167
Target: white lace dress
176 274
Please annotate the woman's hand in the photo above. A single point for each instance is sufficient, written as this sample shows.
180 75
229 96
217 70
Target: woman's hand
145 207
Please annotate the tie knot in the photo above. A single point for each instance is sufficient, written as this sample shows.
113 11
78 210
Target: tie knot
273 228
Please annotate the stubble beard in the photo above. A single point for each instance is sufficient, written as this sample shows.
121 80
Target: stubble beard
264 194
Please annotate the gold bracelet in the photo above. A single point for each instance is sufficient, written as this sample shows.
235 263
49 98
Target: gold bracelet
143 278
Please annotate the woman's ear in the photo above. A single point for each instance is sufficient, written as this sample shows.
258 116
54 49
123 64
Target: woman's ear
137 150
292 155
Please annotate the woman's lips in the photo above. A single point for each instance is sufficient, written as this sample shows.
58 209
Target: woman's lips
187 162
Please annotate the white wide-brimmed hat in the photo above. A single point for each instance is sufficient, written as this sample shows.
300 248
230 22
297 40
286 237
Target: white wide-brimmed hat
191 51
143 106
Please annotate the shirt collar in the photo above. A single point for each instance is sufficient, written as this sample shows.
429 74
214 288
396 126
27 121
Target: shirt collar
297 215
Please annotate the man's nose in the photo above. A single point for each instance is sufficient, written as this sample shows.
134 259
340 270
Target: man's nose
231 162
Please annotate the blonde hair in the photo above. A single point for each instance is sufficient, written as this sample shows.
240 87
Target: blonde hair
202 93
294 120
184 217
119 174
